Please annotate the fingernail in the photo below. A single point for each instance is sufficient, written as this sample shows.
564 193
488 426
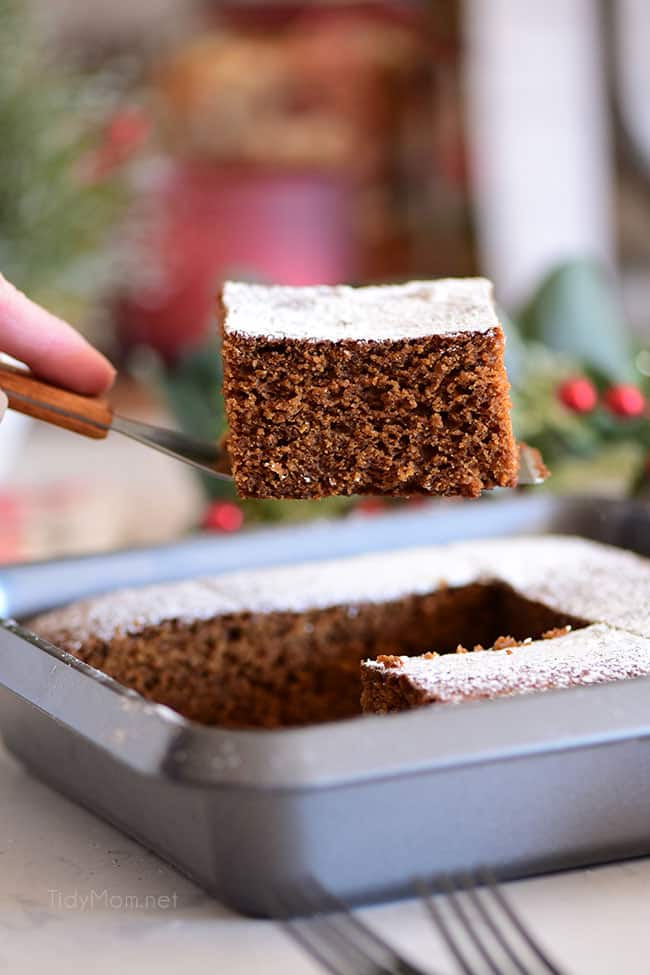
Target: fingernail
4 403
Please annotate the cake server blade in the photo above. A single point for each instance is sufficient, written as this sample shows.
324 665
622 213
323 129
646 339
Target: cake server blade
532 469
202 454
94 417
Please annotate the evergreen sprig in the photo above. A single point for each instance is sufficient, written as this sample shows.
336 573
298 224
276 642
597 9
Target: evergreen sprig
53 223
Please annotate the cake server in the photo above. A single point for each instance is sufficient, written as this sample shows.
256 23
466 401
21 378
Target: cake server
94 417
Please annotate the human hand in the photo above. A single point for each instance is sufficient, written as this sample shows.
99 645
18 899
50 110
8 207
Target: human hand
51 348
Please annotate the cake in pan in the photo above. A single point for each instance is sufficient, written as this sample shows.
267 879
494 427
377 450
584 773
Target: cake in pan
391 390
284 646
592 655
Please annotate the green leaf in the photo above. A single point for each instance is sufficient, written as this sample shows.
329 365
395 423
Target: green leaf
192 387
613 471
54 226
576 311
515 354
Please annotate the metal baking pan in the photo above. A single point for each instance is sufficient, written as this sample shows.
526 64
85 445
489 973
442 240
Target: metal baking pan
525 784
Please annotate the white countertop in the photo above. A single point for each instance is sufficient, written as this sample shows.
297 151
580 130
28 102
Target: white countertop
65 877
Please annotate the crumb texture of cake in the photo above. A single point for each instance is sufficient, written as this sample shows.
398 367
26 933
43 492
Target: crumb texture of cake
283 646
594 655
391 390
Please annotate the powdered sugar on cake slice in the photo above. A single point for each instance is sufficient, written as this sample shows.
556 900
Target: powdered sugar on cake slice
376 313
594 655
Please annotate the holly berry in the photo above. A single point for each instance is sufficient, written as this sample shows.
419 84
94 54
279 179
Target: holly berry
370 506
625 400
223 516
578 394
122 137
128 128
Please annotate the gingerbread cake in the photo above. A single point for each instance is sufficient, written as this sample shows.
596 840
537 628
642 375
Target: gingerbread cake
283 646
388 390
593 655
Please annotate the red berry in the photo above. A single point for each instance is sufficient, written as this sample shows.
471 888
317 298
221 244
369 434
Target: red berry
578 394
223 516
128 128
370 506
625 400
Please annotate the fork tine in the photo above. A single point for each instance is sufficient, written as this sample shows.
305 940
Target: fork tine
470 929
328 947
427 895
344 936
344 916
312 949
490 882
470 888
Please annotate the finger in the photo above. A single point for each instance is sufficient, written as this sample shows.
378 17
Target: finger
49 346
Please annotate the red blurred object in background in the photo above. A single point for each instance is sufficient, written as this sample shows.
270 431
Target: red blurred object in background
625 400
578 394
370 506
126 132
265 14
223 516
215 222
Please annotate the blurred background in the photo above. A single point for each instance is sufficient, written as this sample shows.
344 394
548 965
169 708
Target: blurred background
150 149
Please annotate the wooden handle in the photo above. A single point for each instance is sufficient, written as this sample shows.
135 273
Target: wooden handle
86 415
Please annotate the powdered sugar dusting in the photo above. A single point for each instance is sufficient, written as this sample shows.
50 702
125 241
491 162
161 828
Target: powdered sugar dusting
579 578
127 611
594 655
377 313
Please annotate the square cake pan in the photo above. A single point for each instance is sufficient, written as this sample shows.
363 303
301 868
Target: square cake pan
525 784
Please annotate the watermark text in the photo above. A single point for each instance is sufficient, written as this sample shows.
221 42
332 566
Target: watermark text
103 900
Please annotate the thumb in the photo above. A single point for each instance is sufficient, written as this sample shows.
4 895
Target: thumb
50 347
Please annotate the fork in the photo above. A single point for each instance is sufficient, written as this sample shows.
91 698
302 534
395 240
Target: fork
343 944
477 913
328 931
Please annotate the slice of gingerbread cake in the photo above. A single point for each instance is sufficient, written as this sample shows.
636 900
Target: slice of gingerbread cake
284 646
388 390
